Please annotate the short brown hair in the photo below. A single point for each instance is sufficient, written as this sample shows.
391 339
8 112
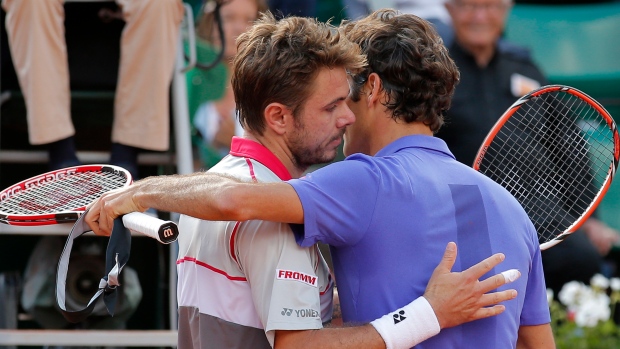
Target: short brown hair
416 71
277 61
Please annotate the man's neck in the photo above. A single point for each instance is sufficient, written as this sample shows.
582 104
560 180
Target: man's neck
280 150
393 130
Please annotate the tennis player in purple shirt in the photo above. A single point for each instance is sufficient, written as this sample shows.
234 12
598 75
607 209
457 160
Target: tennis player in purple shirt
387 214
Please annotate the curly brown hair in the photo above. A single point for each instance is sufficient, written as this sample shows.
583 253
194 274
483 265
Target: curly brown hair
277 61
416 71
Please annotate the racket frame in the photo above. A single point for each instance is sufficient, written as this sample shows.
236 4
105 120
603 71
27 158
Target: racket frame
612 168
65 216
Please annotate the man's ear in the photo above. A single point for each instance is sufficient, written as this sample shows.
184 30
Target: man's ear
277 116
375 89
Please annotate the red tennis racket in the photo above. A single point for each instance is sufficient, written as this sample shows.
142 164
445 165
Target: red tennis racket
556 150
61 196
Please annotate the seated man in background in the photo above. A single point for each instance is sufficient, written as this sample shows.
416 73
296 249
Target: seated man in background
494 74
149 41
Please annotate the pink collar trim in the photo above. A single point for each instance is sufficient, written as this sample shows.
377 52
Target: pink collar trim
250 149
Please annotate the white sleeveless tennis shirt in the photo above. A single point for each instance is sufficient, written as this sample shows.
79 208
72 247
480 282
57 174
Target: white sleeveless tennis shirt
238 282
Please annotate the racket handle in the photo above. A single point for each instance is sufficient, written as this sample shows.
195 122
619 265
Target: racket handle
162 231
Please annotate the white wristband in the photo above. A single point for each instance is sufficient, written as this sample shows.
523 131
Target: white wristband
408 326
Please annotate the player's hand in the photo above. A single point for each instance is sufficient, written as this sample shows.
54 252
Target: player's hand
459 297
103 211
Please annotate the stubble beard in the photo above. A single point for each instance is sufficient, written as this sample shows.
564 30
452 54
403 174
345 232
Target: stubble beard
305 157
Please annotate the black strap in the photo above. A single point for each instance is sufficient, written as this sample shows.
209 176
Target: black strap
117 255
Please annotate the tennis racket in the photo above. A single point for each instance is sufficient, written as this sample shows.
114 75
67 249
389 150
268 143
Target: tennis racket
556 151
61 196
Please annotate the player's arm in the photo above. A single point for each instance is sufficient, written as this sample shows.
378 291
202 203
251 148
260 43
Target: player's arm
338 337
535 337
450 299
202 195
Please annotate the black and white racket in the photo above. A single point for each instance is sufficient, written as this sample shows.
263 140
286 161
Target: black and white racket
61 196
556 150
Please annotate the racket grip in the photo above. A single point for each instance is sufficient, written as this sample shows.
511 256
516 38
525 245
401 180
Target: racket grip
160 230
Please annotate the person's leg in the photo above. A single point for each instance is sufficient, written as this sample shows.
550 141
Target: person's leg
35 30
148 49
62 154
126 157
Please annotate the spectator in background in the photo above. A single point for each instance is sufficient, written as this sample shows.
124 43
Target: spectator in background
433 11
211 99
494 73
35 31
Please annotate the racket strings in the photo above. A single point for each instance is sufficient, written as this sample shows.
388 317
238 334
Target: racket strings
63 194
523 192
555 142
553 154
